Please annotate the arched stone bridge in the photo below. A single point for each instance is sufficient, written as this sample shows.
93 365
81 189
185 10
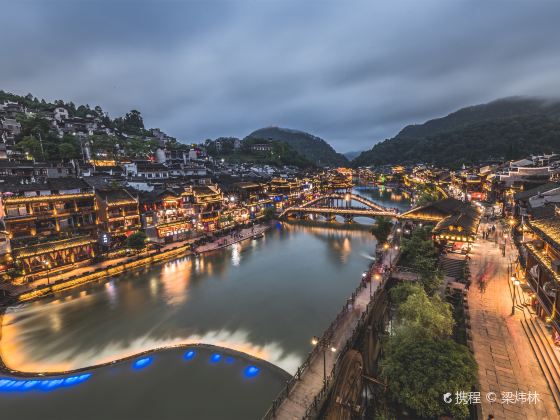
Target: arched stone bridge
326 205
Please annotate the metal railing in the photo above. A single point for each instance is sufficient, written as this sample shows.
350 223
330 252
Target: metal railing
327 335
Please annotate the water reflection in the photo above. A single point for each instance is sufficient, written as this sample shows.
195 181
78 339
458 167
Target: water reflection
264 297
388 197
173 384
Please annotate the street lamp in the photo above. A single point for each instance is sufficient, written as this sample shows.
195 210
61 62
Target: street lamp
324 345
48 265
391 256
364 275
515 284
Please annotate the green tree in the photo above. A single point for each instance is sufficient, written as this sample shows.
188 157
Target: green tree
68 151
31 147
137 241
34 125
430 276
400 292
382 229
269 213
138 147
425 316
419 370
132 123
103 145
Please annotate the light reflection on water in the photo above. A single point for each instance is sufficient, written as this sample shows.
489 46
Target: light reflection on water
173 384
262 297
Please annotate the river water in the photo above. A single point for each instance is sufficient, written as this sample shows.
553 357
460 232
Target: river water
265 297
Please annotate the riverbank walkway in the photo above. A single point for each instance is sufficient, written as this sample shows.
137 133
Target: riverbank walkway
79 271
301 395
15 290
506 362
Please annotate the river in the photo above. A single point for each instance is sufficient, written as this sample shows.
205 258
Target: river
264 297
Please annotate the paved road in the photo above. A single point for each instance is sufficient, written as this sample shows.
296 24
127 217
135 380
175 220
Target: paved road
506 362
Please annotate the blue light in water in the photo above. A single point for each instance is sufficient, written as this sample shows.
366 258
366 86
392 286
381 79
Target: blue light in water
230 360
251 371
215 358
189 355
30 384
142 363
21 385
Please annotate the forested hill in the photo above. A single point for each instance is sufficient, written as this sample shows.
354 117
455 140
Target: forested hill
507 128
311 147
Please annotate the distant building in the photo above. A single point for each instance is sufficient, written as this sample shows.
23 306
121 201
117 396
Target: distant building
60 114
11 129
142 169
261 148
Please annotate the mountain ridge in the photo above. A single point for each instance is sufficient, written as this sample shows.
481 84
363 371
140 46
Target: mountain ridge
308 145
506 127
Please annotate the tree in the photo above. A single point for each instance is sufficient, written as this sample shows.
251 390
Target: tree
103 145
402 291
34 126
132 123
420 370
68 151
30 146
269 213
430 276
382 229
138 147
137 241
425 316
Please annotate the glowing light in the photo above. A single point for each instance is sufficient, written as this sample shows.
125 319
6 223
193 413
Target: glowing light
230 360
215 358
142 363
189 355
11 385
251 371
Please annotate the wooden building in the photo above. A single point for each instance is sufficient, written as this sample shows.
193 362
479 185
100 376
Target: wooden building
118 212
207 204
453 220
542 243
167 215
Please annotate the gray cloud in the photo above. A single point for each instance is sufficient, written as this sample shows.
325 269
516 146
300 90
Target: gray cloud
353 73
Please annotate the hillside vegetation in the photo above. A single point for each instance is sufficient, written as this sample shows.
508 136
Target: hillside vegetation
309 146
503 129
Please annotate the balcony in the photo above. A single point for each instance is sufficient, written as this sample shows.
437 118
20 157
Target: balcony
544 261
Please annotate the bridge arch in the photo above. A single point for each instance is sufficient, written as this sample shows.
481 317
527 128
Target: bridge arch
371 209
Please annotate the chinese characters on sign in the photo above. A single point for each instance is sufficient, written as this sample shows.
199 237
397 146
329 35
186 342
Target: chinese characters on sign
517 397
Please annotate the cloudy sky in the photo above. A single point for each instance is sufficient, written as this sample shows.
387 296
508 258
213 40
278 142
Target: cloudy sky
353 72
